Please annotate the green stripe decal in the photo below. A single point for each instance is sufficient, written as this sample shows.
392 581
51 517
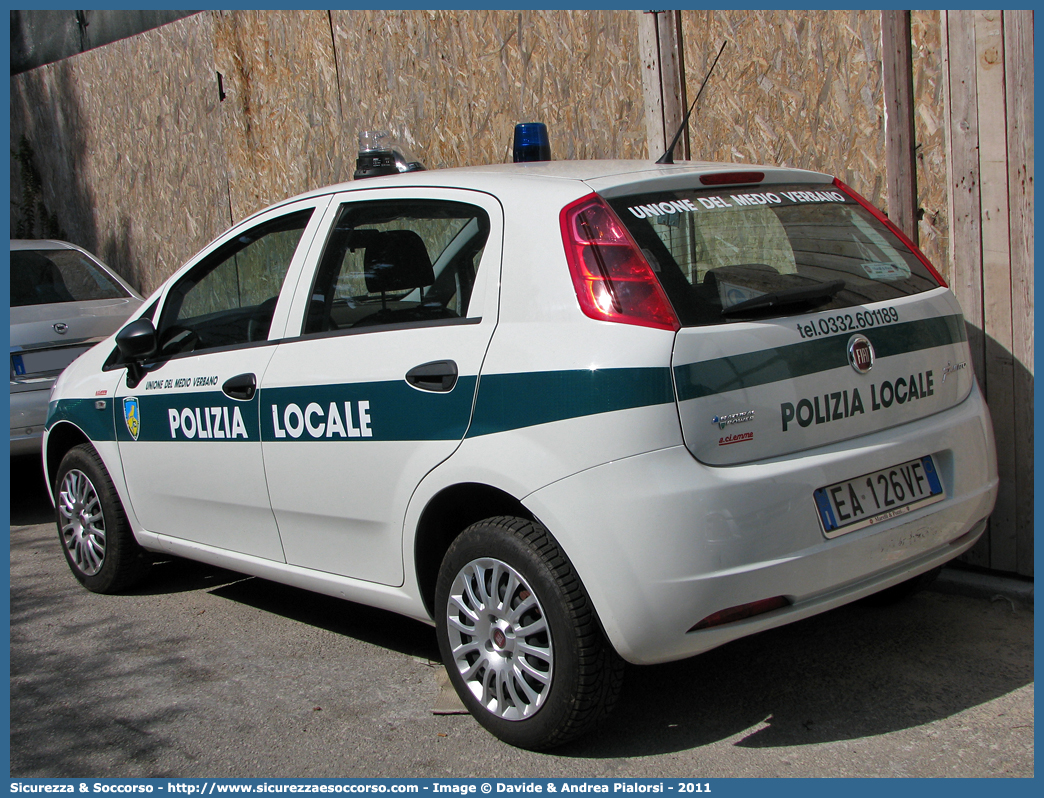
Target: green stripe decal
200 415
513 401
374 411
394 411
367 411
96 423
751 369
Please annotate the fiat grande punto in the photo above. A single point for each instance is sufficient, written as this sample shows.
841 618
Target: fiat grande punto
572 414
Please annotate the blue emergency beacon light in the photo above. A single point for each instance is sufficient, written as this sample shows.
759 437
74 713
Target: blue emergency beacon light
531 142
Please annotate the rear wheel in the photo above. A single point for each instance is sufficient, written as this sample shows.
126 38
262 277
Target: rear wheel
96 538
519 637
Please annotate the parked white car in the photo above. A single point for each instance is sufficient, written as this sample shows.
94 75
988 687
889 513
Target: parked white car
572 413
63 301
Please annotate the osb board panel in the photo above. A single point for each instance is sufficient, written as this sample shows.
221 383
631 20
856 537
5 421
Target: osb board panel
794 89
930 130
283 128
453 84
127 142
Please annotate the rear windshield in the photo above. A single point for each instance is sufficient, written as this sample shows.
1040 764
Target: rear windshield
731 254
41 277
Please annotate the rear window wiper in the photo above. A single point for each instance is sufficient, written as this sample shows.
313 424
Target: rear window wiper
787 296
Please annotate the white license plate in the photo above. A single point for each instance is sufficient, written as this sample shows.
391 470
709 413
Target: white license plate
873 498
45 360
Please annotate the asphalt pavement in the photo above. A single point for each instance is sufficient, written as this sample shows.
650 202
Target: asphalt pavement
202 672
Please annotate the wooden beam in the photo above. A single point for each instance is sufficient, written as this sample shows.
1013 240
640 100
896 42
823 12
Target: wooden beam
962 136
996 272
663 80
1018 81
649 51
672 72
962 170
900 141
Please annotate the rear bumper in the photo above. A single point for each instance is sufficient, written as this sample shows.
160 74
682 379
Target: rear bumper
662 541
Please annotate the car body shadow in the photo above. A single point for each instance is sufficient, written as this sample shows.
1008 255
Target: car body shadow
340 616
30 503
854 672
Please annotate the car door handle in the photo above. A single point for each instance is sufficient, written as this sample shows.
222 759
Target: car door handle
439 376
241 387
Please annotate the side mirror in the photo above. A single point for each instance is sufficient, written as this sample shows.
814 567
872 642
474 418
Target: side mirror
136 342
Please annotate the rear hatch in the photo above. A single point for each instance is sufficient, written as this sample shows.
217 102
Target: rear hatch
806 319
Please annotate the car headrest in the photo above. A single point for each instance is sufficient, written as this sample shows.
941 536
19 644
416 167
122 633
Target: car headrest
396 260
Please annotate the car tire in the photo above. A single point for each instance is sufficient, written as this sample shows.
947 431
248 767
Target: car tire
896 593
537 690
93 529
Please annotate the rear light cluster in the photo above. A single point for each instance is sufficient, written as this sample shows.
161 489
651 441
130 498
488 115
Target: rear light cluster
891 226
613 280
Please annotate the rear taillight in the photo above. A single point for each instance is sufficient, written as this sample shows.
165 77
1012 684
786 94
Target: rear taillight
891 226
613 280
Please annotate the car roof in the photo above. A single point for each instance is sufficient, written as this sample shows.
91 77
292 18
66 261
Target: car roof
40 243
607 177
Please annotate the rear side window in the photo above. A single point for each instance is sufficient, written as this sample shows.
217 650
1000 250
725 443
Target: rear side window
397 262
732 253
40 277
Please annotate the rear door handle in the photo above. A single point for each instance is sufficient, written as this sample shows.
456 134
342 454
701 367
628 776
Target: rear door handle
240 387
438 376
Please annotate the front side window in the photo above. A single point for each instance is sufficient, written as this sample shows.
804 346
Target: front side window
726 255
397 262
229 297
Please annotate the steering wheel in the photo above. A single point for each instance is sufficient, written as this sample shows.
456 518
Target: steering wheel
176 339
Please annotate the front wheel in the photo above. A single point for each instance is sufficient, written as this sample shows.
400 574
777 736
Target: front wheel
519 637
96 537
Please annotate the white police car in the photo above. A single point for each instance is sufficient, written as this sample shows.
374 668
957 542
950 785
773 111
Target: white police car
573 413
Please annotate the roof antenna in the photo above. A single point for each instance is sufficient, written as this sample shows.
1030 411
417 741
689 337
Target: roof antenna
668 157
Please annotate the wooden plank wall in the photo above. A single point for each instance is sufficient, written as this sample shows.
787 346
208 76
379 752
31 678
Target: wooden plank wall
145 156
805 89
989 92
795 89
283 129
109 131
457 82
1018 89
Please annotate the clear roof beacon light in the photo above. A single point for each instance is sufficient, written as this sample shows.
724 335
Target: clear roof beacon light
531 142
381 154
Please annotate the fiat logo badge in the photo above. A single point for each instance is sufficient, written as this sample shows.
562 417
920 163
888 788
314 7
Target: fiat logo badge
61 328
860 353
